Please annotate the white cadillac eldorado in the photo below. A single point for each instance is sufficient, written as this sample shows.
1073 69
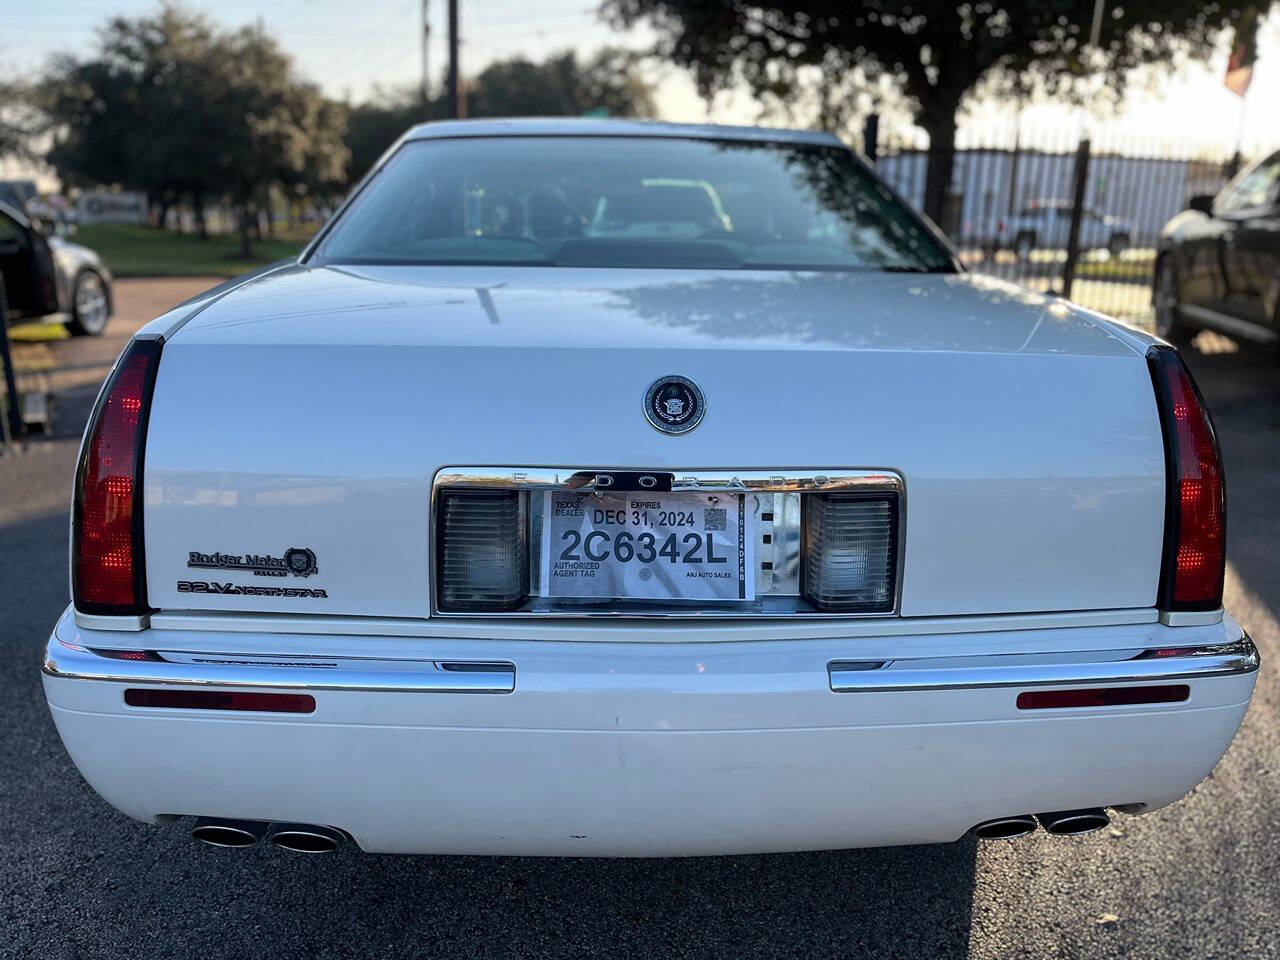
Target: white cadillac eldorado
620 489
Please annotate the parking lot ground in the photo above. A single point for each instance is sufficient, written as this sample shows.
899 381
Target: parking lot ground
78 880
71 367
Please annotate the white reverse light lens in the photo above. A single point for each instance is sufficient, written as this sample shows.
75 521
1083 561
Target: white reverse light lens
484 555
850 544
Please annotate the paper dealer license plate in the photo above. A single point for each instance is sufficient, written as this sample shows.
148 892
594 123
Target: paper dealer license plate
646 546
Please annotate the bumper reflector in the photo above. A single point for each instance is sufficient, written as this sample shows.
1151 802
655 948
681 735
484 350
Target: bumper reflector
850 552
1102 696
220 700
483 550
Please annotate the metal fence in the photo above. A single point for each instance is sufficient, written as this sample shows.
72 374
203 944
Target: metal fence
1013 197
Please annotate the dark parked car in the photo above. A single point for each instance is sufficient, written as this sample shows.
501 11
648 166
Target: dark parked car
49 278
1218 264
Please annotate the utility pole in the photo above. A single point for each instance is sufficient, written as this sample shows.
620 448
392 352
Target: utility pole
426 45
1095 28
1081 175
454 85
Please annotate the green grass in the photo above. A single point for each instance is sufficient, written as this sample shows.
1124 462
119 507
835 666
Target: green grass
147 252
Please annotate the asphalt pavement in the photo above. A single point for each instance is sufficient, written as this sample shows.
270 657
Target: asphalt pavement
78 880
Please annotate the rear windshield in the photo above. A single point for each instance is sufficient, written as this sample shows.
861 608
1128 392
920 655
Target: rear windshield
630 202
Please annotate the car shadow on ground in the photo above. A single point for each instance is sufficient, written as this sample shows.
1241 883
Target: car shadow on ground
893 902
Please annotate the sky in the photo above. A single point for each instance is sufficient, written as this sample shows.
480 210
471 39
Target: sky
351 57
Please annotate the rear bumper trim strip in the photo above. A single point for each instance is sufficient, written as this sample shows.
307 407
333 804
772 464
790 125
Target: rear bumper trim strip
73 662
70 662
851 676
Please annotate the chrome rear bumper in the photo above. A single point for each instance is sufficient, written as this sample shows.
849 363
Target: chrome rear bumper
68 661
643 749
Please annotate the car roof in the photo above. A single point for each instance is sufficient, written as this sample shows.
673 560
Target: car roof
579 126
9 195
14 212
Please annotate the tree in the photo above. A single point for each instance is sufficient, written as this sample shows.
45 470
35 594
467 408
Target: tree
136 113
174 106
279 131
20 122
935 51
609 82
561 85
375 125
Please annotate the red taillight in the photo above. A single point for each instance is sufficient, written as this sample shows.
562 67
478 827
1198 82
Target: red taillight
1195 516
107 568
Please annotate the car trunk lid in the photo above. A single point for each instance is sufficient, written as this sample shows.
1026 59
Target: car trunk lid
311 409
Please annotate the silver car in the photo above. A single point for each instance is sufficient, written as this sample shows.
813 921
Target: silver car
1046 224
48 278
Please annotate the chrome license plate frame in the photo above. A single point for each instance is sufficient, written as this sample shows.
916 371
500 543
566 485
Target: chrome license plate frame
775 497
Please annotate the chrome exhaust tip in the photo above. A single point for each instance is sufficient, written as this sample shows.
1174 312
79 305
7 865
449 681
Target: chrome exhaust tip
1072 823
228 834
1006 828
307 838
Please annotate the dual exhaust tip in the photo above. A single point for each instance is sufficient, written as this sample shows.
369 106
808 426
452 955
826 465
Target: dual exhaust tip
310 838
238 834
1062 823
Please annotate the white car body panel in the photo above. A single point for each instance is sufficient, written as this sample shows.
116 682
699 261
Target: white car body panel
672 749
1019 477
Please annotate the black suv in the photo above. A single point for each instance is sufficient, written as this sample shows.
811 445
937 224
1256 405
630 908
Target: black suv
1218 264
